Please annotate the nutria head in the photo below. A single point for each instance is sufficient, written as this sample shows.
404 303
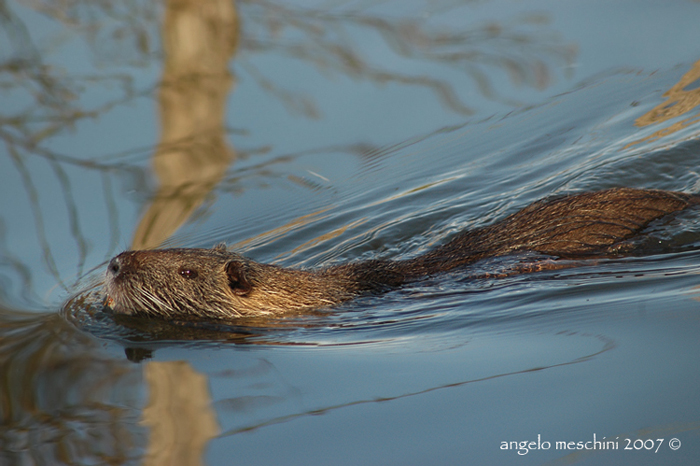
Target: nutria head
179 283
217 284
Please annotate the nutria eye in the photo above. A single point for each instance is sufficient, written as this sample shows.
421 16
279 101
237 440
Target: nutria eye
188 273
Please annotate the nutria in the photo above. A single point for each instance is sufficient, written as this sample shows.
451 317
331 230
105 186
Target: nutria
218 284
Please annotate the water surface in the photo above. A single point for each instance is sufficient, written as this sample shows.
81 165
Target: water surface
312 133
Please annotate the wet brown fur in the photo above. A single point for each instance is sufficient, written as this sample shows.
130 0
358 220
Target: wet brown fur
218 284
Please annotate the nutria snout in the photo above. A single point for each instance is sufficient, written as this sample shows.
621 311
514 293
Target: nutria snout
219 284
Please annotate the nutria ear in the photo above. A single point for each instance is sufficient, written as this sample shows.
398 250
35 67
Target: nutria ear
238 278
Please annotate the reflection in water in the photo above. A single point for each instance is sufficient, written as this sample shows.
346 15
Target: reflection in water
63 366
192 156
61 400
178 413
607 345
522 47
198 41
681 99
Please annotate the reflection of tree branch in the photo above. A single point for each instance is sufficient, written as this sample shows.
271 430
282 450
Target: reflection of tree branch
112 211
120 31
18 148
33 195
293 101
19 267
61 400
49 100
323 39
607 346
71 208
53 108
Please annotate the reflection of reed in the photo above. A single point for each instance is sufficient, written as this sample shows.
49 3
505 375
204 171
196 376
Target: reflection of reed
192 157
178 413
681 98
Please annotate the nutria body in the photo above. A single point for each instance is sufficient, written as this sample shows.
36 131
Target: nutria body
218 284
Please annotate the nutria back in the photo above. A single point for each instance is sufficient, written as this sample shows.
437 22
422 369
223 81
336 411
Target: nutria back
568 227
218 284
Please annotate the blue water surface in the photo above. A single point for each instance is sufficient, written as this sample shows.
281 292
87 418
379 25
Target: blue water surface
346 131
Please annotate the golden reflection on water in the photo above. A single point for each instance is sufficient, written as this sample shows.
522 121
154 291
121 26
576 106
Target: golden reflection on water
179 414
679 100
199 39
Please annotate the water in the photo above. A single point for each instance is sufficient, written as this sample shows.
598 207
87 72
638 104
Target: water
336 132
